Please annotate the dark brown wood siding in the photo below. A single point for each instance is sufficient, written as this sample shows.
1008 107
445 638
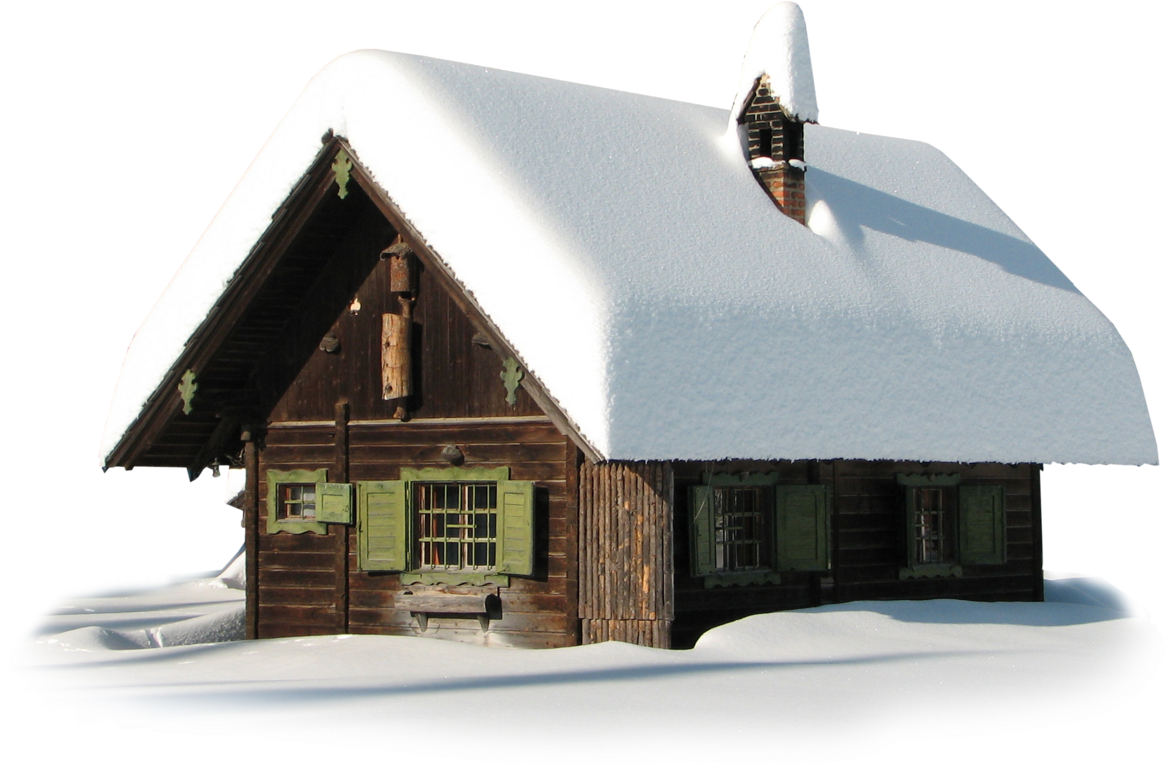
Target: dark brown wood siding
298 580
867 542
869 537
328 412
626 566
454 376
296 573
536 611
699 608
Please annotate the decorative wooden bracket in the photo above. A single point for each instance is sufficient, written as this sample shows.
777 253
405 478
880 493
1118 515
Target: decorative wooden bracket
342 169
511 377
187 389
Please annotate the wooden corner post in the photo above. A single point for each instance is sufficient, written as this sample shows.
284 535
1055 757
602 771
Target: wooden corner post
252 538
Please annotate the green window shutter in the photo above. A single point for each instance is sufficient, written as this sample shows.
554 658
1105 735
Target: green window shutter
801 528
383 526
334 502
981 525
701 503
516 527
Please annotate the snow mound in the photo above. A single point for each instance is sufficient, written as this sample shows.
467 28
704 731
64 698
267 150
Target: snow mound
210 628
1061 588
233 575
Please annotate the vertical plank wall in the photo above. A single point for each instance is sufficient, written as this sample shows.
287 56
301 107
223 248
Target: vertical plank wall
626 548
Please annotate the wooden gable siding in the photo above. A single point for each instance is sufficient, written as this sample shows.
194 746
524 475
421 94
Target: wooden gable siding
867 542
453 376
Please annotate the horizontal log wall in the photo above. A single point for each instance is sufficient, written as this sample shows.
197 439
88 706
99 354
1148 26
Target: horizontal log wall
869 536
299 587
867 542
626 564
297 574
536 612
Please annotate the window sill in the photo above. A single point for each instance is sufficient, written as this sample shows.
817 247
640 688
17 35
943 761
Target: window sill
930 572
743 578
297 526
453 579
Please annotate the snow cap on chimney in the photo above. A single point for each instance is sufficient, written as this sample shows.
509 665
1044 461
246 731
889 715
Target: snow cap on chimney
779 50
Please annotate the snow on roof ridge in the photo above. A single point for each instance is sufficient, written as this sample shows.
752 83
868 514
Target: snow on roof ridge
851 334
779 49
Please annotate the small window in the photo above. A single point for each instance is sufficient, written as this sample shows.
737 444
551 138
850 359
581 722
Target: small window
933 515
740 528
294 501
297 502
745 529
949 525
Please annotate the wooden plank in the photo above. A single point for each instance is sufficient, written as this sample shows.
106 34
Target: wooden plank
252 518
340 472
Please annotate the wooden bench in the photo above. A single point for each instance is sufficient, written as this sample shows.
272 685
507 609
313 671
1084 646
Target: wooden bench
424 602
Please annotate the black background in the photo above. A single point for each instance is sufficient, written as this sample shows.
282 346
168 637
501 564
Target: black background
1053 116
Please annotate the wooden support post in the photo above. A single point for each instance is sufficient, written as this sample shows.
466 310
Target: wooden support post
252 537
1037 536
341 533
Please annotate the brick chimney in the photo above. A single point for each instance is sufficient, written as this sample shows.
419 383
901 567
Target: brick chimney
775 146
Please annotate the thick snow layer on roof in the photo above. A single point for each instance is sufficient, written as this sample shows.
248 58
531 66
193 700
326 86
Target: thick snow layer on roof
779 50
665 303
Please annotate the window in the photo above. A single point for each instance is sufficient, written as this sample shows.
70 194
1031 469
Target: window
457 523
740 528
933 521
746 529
295 501
448 526
302 501
949 525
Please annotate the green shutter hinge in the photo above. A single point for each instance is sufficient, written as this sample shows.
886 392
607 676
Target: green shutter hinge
342 169
511 377
187 389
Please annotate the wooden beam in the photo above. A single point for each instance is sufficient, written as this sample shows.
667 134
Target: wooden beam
252 537
163 405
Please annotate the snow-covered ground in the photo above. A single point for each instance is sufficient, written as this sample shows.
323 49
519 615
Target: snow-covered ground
1069 680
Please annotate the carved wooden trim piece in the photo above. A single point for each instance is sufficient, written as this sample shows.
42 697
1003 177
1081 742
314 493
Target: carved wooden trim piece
511 377
342 169
187 389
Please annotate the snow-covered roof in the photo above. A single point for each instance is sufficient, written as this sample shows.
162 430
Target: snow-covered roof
623 248
779 50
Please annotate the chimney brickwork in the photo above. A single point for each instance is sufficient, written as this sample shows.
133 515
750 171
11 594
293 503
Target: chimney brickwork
775 144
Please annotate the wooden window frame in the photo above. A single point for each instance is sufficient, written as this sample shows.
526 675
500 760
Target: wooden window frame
515 527
795 533
275 480
957 526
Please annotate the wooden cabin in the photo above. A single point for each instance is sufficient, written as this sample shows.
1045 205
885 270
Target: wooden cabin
447 433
